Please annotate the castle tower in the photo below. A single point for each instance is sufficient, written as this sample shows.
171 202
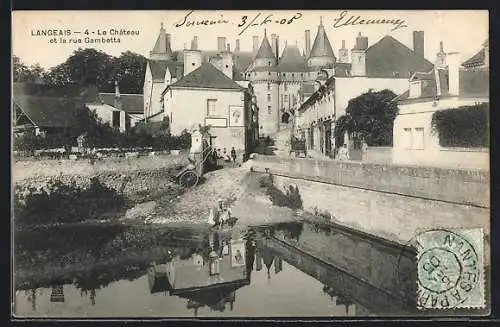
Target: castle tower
162 49
265 55
265 79
441 56
321 53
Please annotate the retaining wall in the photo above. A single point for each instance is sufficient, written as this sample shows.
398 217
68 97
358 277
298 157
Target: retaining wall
462 186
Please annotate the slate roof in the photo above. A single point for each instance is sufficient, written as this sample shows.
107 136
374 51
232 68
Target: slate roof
321 46
87 93
241 61
131 103
388 56
473 84
159 68
162 48
265 51
476 60
48 111
207 76
51 107
291 60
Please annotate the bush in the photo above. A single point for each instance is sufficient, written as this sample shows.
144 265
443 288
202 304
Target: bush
290 198
465 126
59 202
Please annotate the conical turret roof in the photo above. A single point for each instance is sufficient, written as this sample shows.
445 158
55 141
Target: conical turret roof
265 51
291 60
162 44
321 46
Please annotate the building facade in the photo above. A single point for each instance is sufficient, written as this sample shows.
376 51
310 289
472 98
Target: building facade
208 97
449 86
386 64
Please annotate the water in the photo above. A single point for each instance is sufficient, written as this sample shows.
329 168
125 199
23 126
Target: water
288 270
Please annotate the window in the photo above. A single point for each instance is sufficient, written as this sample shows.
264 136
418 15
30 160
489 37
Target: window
286 87
192 64
211 107
418 138
269 110
116 118
227 66
286 97
284 74
293 74
268 97
407 139
269 63
269 86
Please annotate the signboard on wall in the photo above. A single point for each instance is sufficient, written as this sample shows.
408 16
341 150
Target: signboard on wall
216 122
236 117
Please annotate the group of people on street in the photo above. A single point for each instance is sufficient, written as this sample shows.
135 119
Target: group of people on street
227 157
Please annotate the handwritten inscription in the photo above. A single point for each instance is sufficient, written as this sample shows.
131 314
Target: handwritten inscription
188 21
351 20
245 22
257 20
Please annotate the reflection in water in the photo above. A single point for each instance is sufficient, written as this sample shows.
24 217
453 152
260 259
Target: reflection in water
211 276
211 270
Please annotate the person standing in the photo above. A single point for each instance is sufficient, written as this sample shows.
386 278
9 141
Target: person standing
233 155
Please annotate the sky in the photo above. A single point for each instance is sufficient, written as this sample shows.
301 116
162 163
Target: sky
460 30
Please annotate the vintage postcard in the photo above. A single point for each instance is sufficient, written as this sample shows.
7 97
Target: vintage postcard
234 164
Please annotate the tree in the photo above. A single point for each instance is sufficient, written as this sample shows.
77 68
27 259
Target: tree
94 67
370 117
130 69
23 73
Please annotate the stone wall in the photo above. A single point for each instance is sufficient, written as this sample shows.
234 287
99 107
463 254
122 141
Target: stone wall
134 174
470 187
393 217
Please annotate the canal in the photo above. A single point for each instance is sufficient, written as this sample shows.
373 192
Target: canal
294 269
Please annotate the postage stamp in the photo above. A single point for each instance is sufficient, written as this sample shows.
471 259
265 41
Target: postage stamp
450 269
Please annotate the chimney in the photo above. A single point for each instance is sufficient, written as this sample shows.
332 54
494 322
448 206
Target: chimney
308 43
255 43
418 43
237 47
454 73
192 60
343 53
358 56
441 56
221 44
118 104
194 43
275 45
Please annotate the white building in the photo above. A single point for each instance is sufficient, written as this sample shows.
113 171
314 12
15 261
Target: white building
448 86
208 97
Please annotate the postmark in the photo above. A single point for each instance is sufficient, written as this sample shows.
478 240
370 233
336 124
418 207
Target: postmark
450 272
